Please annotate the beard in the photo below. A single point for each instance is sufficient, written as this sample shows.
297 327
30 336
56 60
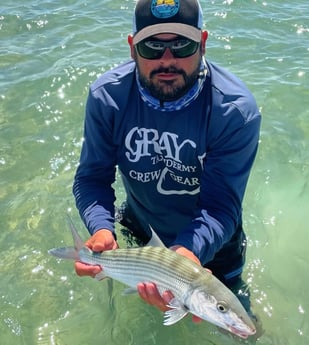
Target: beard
168 90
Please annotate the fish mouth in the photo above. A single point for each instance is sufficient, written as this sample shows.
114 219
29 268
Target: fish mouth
242 334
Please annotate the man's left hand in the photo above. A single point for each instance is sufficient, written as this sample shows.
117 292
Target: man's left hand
150 294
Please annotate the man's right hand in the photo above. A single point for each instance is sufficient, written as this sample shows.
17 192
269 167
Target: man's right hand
99 242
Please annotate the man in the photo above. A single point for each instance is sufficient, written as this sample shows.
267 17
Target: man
183 133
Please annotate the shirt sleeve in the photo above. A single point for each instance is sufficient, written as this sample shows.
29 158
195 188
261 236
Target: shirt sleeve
95 174
225 174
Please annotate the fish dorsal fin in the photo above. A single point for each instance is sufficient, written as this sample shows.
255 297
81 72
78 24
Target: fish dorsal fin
155 240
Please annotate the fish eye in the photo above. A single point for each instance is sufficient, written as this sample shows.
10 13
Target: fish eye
222 307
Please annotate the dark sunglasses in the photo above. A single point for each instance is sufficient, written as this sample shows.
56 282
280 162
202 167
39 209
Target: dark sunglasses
154 49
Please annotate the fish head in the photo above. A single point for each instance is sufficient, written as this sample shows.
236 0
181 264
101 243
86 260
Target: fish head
221 308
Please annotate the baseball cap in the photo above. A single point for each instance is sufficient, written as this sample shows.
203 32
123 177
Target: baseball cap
180 17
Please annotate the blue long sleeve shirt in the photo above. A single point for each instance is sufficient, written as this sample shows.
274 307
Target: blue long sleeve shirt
184 172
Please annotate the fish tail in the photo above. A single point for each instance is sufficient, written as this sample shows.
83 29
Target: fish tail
69 252
65 253
78 242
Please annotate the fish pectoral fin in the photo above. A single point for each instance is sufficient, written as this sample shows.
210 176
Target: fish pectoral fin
176 313
129 291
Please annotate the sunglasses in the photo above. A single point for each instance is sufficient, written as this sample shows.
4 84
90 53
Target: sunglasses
154 49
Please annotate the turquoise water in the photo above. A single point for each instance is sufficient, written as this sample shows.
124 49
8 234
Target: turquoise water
50 52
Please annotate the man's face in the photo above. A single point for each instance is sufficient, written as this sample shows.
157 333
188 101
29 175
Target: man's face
168 78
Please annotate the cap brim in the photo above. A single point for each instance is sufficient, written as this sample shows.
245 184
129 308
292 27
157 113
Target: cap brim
172 28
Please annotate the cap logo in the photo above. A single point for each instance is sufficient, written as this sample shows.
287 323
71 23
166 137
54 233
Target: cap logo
164 8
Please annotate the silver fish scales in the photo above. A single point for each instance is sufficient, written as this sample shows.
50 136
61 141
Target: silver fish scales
195 289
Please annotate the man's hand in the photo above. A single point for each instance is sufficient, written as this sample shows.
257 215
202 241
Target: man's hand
102 240
150 294
186 252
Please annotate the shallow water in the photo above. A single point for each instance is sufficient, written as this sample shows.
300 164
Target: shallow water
50 52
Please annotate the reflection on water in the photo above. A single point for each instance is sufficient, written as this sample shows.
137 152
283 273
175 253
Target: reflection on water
53 51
